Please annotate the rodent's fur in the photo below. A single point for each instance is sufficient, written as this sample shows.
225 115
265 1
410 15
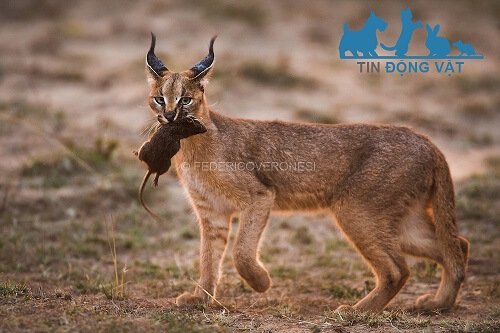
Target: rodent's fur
162 146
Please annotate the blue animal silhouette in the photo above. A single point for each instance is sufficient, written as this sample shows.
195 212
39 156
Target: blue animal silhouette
438 46
363 40
407 28
466 49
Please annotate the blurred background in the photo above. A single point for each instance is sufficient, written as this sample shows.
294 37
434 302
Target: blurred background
73 107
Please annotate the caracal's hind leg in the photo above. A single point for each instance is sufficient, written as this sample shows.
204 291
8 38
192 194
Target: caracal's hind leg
418 238
374 237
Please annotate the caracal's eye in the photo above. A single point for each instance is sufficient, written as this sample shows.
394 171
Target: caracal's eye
185 100
160 100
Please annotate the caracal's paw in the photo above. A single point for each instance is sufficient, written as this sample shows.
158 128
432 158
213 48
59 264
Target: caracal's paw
345 309
428 302
260 281
189 299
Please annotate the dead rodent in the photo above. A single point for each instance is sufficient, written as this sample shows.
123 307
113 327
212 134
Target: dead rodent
162 146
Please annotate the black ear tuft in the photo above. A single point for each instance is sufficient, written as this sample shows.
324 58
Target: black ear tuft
152 61
201 69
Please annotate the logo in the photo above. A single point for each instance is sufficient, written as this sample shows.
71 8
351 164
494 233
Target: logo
448 57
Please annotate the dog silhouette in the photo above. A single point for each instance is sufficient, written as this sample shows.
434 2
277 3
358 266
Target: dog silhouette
407 28
364 40
437 46
466 49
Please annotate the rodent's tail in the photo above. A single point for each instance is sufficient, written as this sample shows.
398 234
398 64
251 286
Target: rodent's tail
141 199
443 207
388 48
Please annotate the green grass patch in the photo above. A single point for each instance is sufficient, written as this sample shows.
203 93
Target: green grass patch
472 84
419 119
477 110
278 76
333 245
479 198
303 236
24 109
99 155
86 287
345 292
173 271
61 73
9 289
148 269
493 162
282 272
316 117
57 170
250 13
425 271
187 233
29 12
132 237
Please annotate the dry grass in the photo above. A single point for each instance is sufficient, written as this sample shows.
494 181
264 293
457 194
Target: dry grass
401 320
116 291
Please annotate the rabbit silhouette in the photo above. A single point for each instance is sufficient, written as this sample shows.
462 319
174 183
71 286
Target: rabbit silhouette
437 46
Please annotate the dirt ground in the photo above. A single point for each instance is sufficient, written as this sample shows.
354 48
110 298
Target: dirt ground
73 107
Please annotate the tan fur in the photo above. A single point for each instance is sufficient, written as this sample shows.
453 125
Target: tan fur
389 189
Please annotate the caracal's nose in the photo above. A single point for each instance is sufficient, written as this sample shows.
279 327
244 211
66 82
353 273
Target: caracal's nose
170 116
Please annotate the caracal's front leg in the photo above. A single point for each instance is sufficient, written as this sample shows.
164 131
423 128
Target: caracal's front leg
253 220
214 229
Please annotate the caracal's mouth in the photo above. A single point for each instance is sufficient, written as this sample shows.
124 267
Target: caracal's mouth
167 117
161 119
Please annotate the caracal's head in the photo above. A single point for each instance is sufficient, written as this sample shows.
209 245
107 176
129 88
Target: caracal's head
174 94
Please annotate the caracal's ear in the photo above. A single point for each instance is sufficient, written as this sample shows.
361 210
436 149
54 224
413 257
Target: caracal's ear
155 69
202 70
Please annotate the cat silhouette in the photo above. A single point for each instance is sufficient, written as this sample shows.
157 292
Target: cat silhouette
466 49
438 46
364 40
407 28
